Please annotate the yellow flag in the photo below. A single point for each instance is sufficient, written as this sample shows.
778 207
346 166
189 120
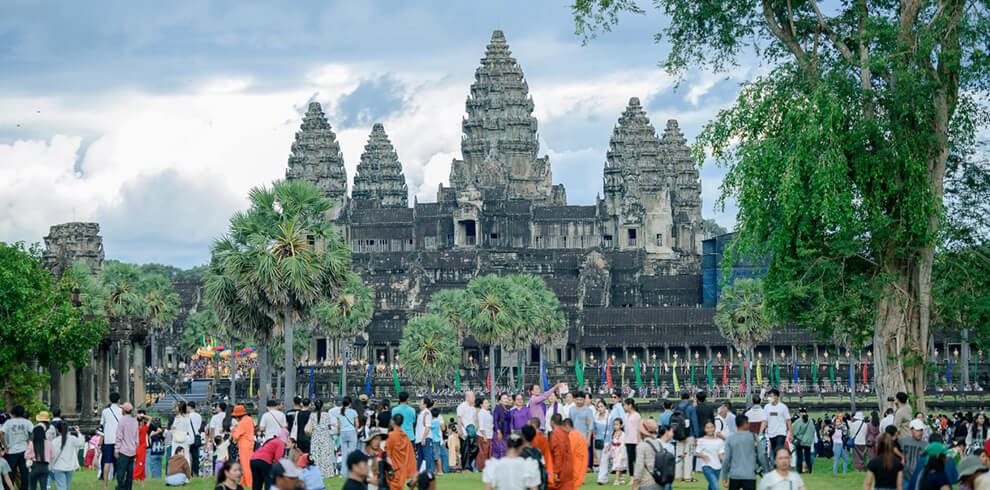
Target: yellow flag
759 373
677 386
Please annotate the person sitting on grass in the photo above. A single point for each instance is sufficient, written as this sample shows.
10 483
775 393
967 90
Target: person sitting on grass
178 472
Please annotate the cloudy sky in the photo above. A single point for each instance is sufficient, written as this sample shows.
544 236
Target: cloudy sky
156 121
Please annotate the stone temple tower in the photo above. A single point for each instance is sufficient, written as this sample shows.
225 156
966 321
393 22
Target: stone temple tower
499 145
685 191
316 158
69 243
379 181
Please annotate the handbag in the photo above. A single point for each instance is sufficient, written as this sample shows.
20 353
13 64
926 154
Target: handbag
599 444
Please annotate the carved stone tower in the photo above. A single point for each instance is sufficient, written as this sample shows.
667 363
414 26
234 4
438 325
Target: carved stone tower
69 243
499 144
685 190
379 181
316 158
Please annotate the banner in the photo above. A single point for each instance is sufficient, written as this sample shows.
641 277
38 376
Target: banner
367 379
708 373
866 366
340 387
312 394
604 373
852 375
794 368
656 376
831 373
579 373
543 375
395 380
677 387
251 384
608 373
488 381
742 378
814 373
759 373
639 375
948 372
519 371
457 379
725 372
691 383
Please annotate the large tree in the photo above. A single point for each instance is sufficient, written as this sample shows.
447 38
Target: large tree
837 156
39 325
429 348
345 317
741 318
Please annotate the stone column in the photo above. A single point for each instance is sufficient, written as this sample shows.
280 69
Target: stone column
67 390
139 389
666 353
708 351
103 377
86 388
124 370
625 354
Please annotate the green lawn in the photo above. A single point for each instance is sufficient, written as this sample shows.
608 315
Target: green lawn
86 480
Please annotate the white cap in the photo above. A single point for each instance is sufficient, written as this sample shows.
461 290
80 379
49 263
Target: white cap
858 416
917 425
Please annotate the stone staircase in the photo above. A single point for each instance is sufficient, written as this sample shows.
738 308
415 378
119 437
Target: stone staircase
198 390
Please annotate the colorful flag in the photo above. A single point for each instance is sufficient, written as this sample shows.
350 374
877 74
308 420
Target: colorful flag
677 386
519 371
708 373
692 375
604 373
656 376
608 373
543 375
725 372
639 375
948 372
488 380
814 373
794 367
742 376
395 379
579 372
866 365
831 372
251 383
367 379
759 373
312 394
622 375
852 375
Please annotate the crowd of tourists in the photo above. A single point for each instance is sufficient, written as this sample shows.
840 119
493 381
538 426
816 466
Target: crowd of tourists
542 439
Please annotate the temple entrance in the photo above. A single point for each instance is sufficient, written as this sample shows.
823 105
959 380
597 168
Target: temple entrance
467 233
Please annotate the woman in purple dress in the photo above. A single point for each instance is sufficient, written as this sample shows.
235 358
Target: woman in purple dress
503 425
519 415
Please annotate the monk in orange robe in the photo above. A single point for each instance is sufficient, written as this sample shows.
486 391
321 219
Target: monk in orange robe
540 442
579 453
560 453
243 436
401 455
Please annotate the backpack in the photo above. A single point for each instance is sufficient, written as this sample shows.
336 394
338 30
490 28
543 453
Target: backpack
536 455
678 426
663 466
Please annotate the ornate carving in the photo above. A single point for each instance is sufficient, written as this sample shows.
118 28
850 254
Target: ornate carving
316 157
379 181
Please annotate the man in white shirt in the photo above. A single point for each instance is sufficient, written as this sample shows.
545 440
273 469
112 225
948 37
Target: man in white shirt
888 419
723 426
778 421
215 427
272 421
755 415
466 415
422 431
565 411
109 419
486 430
858 430
196 421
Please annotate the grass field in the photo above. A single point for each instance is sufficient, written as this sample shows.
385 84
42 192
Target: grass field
86 480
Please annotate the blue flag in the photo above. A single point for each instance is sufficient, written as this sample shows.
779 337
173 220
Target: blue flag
543 374
948 372
795 372
312 394
603 372
367 380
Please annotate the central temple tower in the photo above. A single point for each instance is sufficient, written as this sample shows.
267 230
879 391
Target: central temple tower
499 144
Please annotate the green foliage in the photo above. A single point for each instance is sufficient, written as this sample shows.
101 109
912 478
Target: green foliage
39 325
429 348
740 314
127 290
198 326
348 314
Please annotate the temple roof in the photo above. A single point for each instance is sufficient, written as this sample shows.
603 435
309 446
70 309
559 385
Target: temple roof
379 179
316 155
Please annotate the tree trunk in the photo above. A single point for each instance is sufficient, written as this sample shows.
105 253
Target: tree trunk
343 367
491 372
290 363
264 377
901 337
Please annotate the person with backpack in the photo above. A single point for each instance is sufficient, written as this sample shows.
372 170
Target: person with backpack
645 464
739 463
530 451
681 421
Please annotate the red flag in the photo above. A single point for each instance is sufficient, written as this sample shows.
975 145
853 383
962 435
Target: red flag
488 380
725 372
608 373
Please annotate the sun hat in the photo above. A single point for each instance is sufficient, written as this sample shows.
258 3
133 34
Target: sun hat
935 449
239 411
970 465
916 425
858 416
375 432
43 417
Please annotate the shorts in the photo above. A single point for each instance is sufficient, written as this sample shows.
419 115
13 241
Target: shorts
106 454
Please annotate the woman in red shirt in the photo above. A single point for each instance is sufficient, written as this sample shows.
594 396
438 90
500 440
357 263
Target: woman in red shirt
264 457
141 456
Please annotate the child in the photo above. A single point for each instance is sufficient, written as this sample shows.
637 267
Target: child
453 445
311 476
618 453
222 453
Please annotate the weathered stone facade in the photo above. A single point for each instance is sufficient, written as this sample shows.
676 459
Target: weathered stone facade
630 259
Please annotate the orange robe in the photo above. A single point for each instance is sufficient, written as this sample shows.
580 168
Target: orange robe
243 436
540 442
579 451
563 461
402 456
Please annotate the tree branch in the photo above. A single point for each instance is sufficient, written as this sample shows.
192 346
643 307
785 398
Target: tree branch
787 38
839 44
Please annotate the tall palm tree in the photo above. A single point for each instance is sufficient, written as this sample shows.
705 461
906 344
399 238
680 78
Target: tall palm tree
539 310
429 348
491 318
346 316
742 319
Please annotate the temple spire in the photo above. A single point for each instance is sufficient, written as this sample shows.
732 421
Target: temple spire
685 181
379 181
316 157
632 164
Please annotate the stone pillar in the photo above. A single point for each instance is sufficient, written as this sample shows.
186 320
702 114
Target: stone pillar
67 393
103 377
666 353
124 370
708 351
139 389
86 388
625 354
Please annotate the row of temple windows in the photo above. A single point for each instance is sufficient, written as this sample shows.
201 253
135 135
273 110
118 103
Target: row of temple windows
470 239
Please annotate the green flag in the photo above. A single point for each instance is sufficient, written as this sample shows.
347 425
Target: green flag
457 379
519 371
708 373
656 376
814 373
776 370
831 373
639 375
579 372
395 379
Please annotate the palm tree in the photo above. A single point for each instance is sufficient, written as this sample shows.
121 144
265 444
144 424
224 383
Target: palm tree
346 316
540 312
429 348
741 318
490 315
296 257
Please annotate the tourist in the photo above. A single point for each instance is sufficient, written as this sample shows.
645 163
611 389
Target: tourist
519 414
599 431
562 477
229 476
195 439
542 444
242 448
552 407
348 424
739 460
646 451
804 439
125 447
857 432
272 421
141 453
424 451
722 427
324 452
756 416
885 471
182 430
536 407
502 421
531 452
777 425
177 471
285 475
358 471
583 420
309 473
467 415
912 447
631 432
710 450
216 427
65 457
301 420
902 415
39 452
156 449
684 468
840 452
513 472
567 405
579 452
704 411
265 456
5 481
108 420
437 435
978 433
485 433
401 454
384 415
782 478
14 435
453 446
934 475
618 456
887 420
373 442
970 468
290 415
408 415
